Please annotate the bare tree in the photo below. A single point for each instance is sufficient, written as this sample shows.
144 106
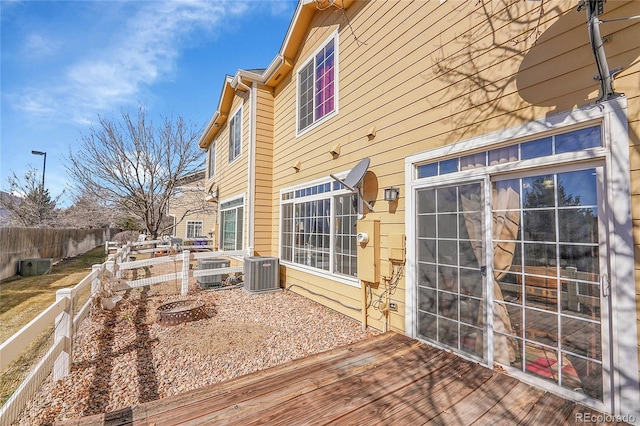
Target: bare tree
89 212
136 166
29 203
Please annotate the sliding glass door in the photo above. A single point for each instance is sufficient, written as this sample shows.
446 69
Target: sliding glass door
547 276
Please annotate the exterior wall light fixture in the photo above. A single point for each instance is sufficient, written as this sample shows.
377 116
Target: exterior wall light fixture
391 194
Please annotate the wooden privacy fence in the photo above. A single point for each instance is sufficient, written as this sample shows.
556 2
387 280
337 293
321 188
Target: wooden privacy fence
66 313
41 243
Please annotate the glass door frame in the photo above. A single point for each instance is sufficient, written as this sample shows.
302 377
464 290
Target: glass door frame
604 271
485 311
612 115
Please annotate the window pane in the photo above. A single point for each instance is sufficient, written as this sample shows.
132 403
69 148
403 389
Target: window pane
447 199
538 191
345 259
427 301
582 257
212 160
305 102
503 155
447 225
428 170
287 232
578 225
427 225
539 225
427 201
535 149
448 166
474 160
324 81
578 140
427 275
235 130
577 188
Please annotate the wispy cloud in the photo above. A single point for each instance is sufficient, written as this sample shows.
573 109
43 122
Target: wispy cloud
38 45
140 52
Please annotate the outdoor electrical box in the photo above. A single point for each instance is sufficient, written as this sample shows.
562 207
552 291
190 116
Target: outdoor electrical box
30 267
397 248
368 240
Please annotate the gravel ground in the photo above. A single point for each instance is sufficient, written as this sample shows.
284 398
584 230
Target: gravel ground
123 357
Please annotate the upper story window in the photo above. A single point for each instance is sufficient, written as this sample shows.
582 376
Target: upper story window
317 85
211 170
235 135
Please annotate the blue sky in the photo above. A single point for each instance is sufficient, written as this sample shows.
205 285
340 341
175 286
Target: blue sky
64 63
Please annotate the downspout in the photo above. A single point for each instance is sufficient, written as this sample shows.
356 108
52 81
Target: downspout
251 175
237 83
594 9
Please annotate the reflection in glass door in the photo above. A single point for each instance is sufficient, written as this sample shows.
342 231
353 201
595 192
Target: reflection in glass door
547 307
451 267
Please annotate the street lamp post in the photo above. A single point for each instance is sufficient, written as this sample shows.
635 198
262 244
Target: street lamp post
44 165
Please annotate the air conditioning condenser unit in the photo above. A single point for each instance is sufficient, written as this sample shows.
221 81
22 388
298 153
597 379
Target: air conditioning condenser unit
212 280
261 274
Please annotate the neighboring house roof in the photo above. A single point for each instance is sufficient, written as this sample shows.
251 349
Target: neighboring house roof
271 76
191 178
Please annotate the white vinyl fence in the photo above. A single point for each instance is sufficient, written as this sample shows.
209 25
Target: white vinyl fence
66 313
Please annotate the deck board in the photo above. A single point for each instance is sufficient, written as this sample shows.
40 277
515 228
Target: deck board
388 379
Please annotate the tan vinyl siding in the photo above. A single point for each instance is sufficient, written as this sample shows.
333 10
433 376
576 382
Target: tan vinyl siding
231 178
426 75
263 232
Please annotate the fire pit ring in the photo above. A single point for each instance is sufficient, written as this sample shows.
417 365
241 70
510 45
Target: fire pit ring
181 311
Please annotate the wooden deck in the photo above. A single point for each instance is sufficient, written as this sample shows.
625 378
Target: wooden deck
389 379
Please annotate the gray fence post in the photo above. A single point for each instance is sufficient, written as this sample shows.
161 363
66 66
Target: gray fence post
63 331
186 257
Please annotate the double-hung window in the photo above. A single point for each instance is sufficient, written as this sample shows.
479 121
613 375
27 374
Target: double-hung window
319 228
235 135
194 228
232 214
317 86
211 170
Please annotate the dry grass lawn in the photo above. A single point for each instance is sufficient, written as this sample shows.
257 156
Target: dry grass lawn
23 298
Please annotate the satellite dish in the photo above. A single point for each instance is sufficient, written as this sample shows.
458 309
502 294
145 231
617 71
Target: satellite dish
354 178
356 174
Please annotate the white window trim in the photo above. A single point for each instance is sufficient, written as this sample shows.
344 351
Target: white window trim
613 116
190 222
336 84
235 112
343 279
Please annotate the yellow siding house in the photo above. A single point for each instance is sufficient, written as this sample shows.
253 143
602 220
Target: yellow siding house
463 172
193 212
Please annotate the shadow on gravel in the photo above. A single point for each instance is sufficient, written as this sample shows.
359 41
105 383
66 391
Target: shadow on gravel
147 382
98 389
146 372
